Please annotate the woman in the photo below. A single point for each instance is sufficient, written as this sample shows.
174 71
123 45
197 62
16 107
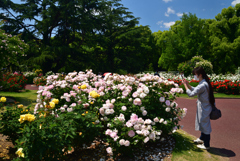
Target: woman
205 103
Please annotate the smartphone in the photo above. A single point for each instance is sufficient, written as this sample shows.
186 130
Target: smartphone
182 76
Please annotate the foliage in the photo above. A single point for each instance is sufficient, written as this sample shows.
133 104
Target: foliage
185 68
40 81
207 66
30 76
225 38
13 82
9 123
12 49
185 39
196 61
97 34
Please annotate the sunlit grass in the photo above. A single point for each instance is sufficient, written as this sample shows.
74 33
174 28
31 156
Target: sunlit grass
186 150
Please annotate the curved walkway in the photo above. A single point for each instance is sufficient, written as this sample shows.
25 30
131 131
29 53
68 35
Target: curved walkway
225 136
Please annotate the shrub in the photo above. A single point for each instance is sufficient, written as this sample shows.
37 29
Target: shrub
207 66
185 68
40 81
123 111
11 49
13 82
30 77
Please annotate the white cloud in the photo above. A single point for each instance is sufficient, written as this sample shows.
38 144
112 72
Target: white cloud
168 24
179 14
169 11
159 22
166 1
235 2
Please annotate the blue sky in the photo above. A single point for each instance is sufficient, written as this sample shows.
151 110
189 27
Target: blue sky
160 14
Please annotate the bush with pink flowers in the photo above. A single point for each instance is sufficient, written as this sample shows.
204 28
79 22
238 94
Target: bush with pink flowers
129 111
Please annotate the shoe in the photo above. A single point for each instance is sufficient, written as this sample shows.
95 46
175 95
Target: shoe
203 147
198 141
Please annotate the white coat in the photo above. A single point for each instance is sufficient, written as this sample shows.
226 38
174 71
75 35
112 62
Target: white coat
204 108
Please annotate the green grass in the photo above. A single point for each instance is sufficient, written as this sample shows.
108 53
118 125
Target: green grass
27 97
216 95
186 150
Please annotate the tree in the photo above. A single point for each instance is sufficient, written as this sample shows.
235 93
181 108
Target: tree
185 39
78 34
225 40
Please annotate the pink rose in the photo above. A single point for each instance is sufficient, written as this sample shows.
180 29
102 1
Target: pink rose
131 133
137 101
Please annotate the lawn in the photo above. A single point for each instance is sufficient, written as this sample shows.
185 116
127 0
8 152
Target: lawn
26 97
216 95
186 150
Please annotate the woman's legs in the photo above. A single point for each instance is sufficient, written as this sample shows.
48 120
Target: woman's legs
206 139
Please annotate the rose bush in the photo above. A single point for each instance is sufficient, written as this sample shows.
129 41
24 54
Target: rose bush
40 81
13 82
124 111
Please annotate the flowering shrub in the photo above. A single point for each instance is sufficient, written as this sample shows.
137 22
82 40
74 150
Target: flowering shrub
30 76
40 81
38 72
124 111
11 49
13 82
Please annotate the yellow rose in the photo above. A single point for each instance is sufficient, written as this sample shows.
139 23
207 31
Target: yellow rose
30 117
52 104
56 101
20 153
84 86
22 119
80 133
3 99
94 94
20 106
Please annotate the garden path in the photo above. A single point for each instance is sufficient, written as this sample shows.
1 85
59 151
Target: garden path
225 136
31 87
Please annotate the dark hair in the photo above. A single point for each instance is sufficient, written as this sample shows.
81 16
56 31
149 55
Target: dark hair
200 70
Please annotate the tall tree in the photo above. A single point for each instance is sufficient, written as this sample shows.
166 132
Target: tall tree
65 34
185 39
225 40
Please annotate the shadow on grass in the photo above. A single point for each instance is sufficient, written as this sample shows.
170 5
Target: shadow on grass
184 143
222 152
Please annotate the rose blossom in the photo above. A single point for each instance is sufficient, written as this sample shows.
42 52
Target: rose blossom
146 139
168 109
161 120
167 102
131 133
137 101
156 119
144 113
121 142
109 150
126 143
124 108
161 99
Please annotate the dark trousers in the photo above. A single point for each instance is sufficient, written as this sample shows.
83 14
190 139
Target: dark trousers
206 139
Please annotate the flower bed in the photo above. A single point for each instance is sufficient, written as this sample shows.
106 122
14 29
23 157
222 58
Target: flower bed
125 112
228 84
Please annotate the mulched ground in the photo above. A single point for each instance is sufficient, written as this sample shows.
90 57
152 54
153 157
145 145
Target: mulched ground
158 151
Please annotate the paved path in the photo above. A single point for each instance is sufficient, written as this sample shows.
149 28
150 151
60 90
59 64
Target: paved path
31 87
225 136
